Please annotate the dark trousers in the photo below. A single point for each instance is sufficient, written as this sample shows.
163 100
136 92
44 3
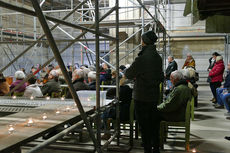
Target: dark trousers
213 86
148 119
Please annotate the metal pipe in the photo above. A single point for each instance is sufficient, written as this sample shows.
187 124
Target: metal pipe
50 60
39 41
97 48
58 57
109 141
9 58
125 40
28 48
32 13
130 52
117 72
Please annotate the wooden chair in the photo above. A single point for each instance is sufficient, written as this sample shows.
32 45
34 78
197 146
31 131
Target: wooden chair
130 122
56 94
18 94
166 127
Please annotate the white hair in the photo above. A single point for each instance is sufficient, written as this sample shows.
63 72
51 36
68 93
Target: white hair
86 71
92 75
79 73
19 75
177 75
54 73
185 73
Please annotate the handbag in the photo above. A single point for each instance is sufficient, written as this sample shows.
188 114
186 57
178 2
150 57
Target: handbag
209 79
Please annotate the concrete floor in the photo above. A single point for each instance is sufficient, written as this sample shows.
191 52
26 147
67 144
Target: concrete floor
207 130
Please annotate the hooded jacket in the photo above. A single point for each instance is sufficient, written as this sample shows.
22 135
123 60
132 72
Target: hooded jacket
147 72
217 72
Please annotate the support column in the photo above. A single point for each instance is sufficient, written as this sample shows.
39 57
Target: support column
64 71
117 71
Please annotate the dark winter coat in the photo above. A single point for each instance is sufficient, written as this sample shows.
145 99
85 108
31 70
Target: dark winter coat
78 84
172 66
227 80
147 72
51 86
217 72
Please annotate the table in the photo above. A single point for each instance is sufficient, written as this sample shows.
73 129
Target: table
24 133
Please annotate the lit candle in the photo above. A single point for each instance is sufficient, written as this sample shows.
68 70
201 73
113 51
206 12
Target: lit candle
62 98
194 150
67 108
57 112
47 98
44 116
14 97
30 122
11 129
31 97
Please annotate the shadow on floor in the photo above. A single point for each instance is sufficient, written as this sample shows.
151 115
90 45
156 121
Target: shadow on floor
203 117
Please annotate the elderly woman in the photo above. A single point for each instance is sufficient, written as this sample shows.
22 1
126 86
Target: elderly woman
52 85
19 75
4 86
189 62
78 82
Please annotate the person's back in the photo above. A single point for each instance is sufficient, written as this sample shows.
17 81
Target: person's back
52 85
19 75
147 71
4 86
32 89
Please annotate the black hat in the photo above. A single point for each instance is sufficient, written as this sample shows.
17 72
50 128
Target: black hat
149 38
122 67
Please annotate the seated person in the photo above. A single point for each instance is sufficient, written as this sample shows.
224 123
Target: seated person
52 85
92 80
125 98
105 74
19 75
4 86
174 107
187 76
220 95
32 89
78 82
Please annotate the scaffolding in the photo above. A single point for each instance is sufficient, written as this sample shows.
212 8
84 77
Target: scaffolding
91 14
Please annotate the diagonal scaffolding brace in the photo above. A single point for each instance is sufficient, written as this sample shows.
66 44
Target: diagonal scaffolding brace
58 57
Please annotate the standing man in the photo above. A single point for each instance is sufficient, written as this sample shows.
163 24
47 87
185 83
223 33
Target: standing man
172 66
147 72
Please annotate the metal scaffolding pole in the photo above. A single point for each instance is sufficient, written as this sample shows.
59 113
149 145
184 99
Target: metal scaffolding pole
117 72
58 57
125 40
32 13
28 48
97 48
70 44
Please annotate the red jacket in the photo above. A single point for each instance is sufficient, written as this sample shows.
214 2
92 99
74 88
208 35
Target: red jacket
217 72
